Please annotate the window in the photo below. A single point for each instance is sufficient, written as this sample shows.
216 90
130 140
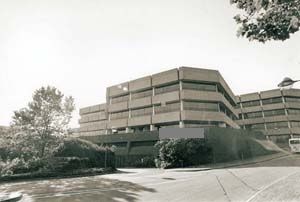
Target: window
166 89
199 86
119 99
237 106
119 115
141 94
252 115
292 99
141 112
295 124
168 108
200 106
197 124
259 126
272 100
251 103
294 111
276 112
277 125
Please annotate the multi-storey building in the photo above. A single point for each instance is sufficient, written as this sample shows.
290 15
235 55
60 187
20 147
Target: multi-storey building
183 97
191 97
275 112
93 120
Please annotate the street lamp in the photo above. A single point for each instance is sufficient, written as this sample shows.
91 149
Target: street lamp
287 82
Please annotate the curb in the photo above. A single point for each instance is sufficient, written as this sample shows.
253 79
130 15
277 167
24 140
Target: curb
236 164
12 197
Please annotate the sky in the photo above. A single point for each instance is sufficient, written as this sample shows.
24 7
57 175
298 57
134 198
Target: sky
82 47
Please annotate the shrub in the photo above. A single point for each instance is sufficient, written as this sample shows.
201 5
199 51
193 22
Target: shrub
14 166
85 154
72 154
182 152
141 161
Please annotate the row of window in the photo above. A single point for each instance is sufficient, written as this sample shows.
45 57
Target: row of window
269 101
274 125
119 115
167 108
199 86
141 94
261 126
170 88
119 99
141 112
199 106
187 105
276 112
197 124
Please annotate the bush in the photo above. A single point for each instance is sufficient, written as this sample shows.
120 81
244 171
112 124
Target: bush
71 155
182 152
9 167
84 154
20 165
141 161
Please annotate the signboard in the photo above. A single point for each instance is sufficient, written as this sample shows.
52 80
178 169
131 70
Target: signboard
167 133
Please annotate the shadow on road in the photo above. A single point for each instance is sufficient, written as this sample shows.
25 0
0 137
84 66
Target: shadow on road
78 189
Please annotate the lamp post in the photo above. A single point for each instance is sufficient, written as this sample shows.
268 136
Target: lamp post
287 82
105 161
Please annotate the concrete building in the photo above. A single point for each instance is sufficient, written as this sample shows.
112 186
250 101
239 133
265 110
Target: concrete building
275 112
191 97
93 120
183 97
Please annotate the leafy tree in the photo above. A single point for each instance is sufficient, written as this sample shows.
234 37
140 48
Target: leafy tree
264 20
44 122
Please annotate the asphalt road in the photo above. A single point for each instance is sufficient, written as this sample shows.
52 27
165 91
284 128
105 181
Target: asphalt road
275 180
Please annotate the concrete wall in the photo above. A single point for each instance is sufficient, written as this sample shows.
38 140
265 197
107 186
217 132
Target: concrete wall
227 144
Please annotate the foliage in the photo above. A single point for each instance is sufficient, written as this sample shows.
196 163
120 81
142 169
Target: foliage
82 153
36 132
181 152
264 20
79 148
44 122
20 165
72 154
141 161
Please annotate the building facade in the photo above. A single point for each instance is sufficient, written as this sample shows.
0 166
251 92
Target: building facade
275 112
183 97
191 97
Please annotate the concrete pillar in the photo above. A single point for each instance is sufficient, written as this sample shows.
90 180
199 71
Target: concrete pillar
152 127
181 124
127 130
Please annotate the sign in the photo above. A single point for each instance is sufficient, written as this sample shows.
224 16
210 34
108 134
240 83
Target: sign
167 133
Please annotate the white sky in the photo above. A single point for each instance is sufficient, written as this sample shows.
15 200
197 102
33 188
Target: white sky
82 47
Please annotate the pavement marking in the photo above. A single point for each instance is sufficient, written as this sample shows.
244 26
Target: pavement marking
271 184
223 188
242 181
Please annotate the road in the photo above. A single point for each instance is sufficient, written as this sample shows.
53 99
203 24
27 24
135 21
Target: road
274 180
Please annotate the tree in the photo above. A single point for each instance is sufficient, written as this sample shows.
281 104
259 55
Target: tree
45 121
264 20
